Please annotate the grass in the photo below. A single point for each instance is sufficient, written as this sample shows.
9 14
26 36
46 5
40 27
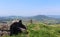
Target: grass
41 30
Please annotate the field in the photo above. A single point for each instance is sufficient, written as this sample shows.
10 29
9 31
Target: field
40 30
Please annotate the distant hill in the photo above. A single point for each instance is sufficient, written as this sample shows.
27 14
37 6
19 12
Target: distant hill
46 19
54 16
41 18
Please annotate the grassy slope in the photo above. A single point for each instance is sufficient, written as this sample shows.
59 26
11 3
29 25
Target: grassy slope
40 30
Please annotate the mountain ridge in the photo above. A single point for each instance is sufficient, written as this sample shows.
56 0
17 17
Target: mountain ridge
41 18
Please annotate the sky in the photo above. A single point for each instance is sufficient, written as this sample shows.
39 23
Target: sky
29 7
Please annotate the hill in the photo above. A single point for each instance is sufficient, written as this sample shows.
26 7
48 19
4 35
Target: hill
54 16
41 18
40 30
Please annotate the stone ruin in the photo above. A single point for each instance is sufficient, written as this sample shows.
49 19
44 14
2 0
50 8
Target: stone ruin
5 28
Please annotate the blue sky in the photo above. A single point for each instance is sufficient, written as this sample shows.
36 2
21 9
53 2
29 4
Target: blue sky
29 7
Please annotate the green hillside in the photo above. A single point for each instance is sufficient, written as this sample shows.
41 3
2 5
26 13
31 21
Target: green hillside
41 30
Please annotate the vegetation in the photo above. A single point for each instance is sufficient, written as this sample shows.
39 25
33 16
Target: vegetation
41 30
